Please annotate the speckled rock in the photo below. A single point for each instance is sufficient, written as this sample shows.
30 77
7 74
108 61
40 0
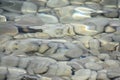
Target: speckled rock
57 3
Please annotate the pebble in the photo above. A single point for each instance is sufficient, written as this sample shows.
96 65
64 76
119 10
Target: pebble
48 18
2 18
77 2
29 8
109 29
57 3
82 74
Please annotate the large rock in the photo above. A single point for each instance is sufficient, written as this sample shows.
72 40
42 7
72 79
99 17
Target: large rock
82 74
57 3
28 8
8 28
48 18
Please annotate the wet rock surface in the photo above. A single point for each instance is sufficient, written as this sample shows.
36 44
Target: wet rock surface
59 40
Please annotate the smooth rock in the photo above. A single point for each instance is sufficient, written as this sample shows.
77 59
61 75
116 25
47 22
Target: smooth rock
57 3
28 20
82 74
29 8
93 75
96 45
48 18
93 66
113 73
101 75
43 47
11 61
109 4
112 64
8 28
104 56
116 38
28 46
2 18
59 69
3 72
109 29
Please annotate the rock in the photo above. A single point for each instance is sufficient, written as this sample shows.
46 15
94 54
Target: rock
28 20
112 64
77 2
1 11
57 78
93 66
74 52
83 29
114 22
2 18
40 3
57 3
96 45
11 16
109 4
46 78
113 73
75 65
110 13
8 28
45 10
4 38
93 75
28 46
104 56
82 74
11 61
109 29
28 8
3 72
59 69
116 38
101 75
14 73
43 47
48 18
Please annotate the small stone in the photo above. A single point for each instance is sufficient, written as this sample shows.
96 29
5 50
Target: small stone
93 75
101 75
43 47
104 56
57 3
48 18
109 29
96 45
77 2
46 78
8 28
28 8
116 38
93 66
82 74
2 18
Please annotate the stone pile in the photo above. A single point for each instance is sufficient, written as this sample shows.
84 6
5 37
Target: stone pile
59 40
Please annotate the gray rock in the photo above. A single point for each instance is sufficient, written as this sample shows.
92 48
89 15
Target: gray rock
96 45
101 75
93 75
114 72
48 18
77 2
116 38
8 28
59 69
104 56
82 74
28 8
57 3
11 61
93 66
109 3
3 72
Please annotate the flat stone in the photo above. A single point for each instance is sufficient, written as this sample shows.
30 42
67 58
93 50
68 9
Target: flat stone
57 3
28 8
93 66
8 28
77 2
43 47
82 74
109 29
109 4
48 18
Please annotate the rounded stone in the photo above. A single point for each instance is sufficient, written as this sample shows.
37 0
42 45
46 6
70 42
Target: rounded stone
109 29
28 8
2 18
93 66
48 18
